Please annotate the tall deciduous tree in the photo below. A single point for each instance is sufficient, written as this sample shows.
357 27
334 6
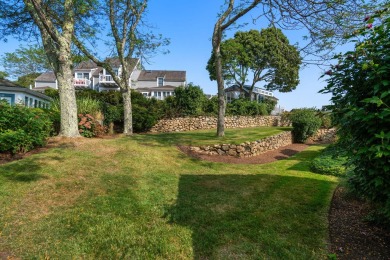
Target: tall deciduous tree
327 22
254 56
126 19
24 61
55 23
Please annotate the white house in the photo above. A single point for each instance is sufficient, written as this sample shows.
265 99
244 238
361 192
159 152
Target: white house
87 75
15 94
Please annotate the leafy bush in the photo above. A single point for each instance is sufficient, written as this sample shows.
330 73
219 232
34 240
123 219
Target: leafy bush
331 161
22 128
305 124
244 107
15 141
360 84
188 101
89 127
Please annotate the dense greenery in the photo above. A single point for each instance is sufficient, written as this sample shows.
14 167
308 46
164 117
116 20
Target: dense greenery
305 123
360 84
107 107
22 128
266 55
331 161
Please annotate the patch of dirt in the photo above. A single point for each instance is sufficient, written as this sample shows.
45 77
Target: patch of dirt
350 236
267 157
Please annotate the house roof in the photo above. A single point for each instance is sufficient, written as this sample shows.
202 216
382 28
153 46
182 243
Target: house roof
7 85
168 75
86 65
115 63
46 77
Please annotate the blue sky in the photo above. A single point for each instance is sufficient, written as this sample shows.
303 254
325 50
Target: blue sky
189 25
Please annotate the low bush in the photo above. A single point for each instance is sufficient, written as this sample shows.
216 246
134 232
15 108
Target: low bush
244 107
22 128
305 124
89 126
331 161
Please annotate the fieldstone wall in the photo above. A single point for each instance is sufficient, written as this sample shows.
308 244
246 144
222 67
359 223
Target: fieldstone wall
246 149
207 122
323 135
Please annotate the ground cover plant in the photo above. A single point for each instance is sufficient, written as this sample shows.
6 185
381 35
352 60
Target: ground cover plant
141 198
331 161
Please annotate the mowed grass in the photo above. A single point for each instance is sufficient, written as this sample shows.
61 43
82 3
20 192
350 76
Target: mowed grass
208 137
138 198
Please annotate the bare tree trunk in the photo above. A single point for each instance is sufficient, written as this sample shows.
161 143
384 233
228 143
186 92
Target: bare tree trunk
128 114
69 121
221 96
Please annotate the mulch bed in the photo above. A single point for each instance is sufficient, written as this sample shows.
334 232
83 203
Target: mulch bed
350 236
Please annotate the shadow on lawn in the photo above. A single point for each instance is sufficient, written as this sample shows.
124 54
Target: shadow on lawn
252 216
25 170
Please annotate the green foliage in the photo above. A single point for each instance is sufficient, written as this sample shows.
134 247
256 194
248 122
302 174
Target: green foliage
15 141
331 161
244 107
188 101
27 80
53 93
305 124
3 74
270 104
24 62
22 128
265 54
210 106
360 84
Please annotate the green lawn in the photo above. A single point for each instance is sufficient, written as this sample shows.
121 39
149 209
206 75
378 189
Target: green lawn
208 137
140 198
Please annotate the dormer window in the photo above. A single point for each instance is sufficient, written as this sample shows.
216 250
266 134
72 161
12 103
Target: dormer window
160 82
81 75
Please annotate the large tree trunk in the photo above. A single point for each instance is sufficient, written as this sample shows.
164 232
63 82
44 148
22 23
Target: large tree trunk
128 113
62 69
69 121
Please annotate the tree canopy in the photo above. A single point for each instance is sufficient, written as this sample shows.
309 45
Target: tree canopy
259 56
25 60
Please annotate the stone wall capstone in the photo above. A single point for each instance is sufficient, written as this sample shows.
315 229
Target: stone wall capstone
181 124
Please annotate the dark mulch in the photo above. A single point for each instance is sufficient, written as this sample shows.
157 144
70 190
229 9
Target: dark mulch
350 236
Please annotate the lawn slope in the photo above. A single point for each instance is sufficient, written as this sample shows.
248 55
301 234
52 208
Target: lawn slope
140 198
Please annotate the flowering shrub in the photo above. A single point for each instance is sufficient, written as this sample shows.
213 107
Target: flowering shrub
89 127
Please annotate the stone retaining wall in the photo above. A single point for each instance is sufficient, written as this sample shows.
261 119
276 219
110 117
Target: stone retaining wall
246 149
274 142
207 122
324 135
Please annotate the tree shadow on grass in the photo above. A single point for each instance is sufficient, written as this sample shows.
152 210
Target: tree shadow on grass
252 216
25 170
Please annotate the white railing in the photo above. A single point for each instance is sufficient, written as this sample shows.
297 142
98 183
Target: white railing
81 82
106 78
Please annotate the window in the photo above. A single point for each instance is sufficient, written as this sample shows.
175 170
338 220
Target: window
26 101
116 72
160 82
